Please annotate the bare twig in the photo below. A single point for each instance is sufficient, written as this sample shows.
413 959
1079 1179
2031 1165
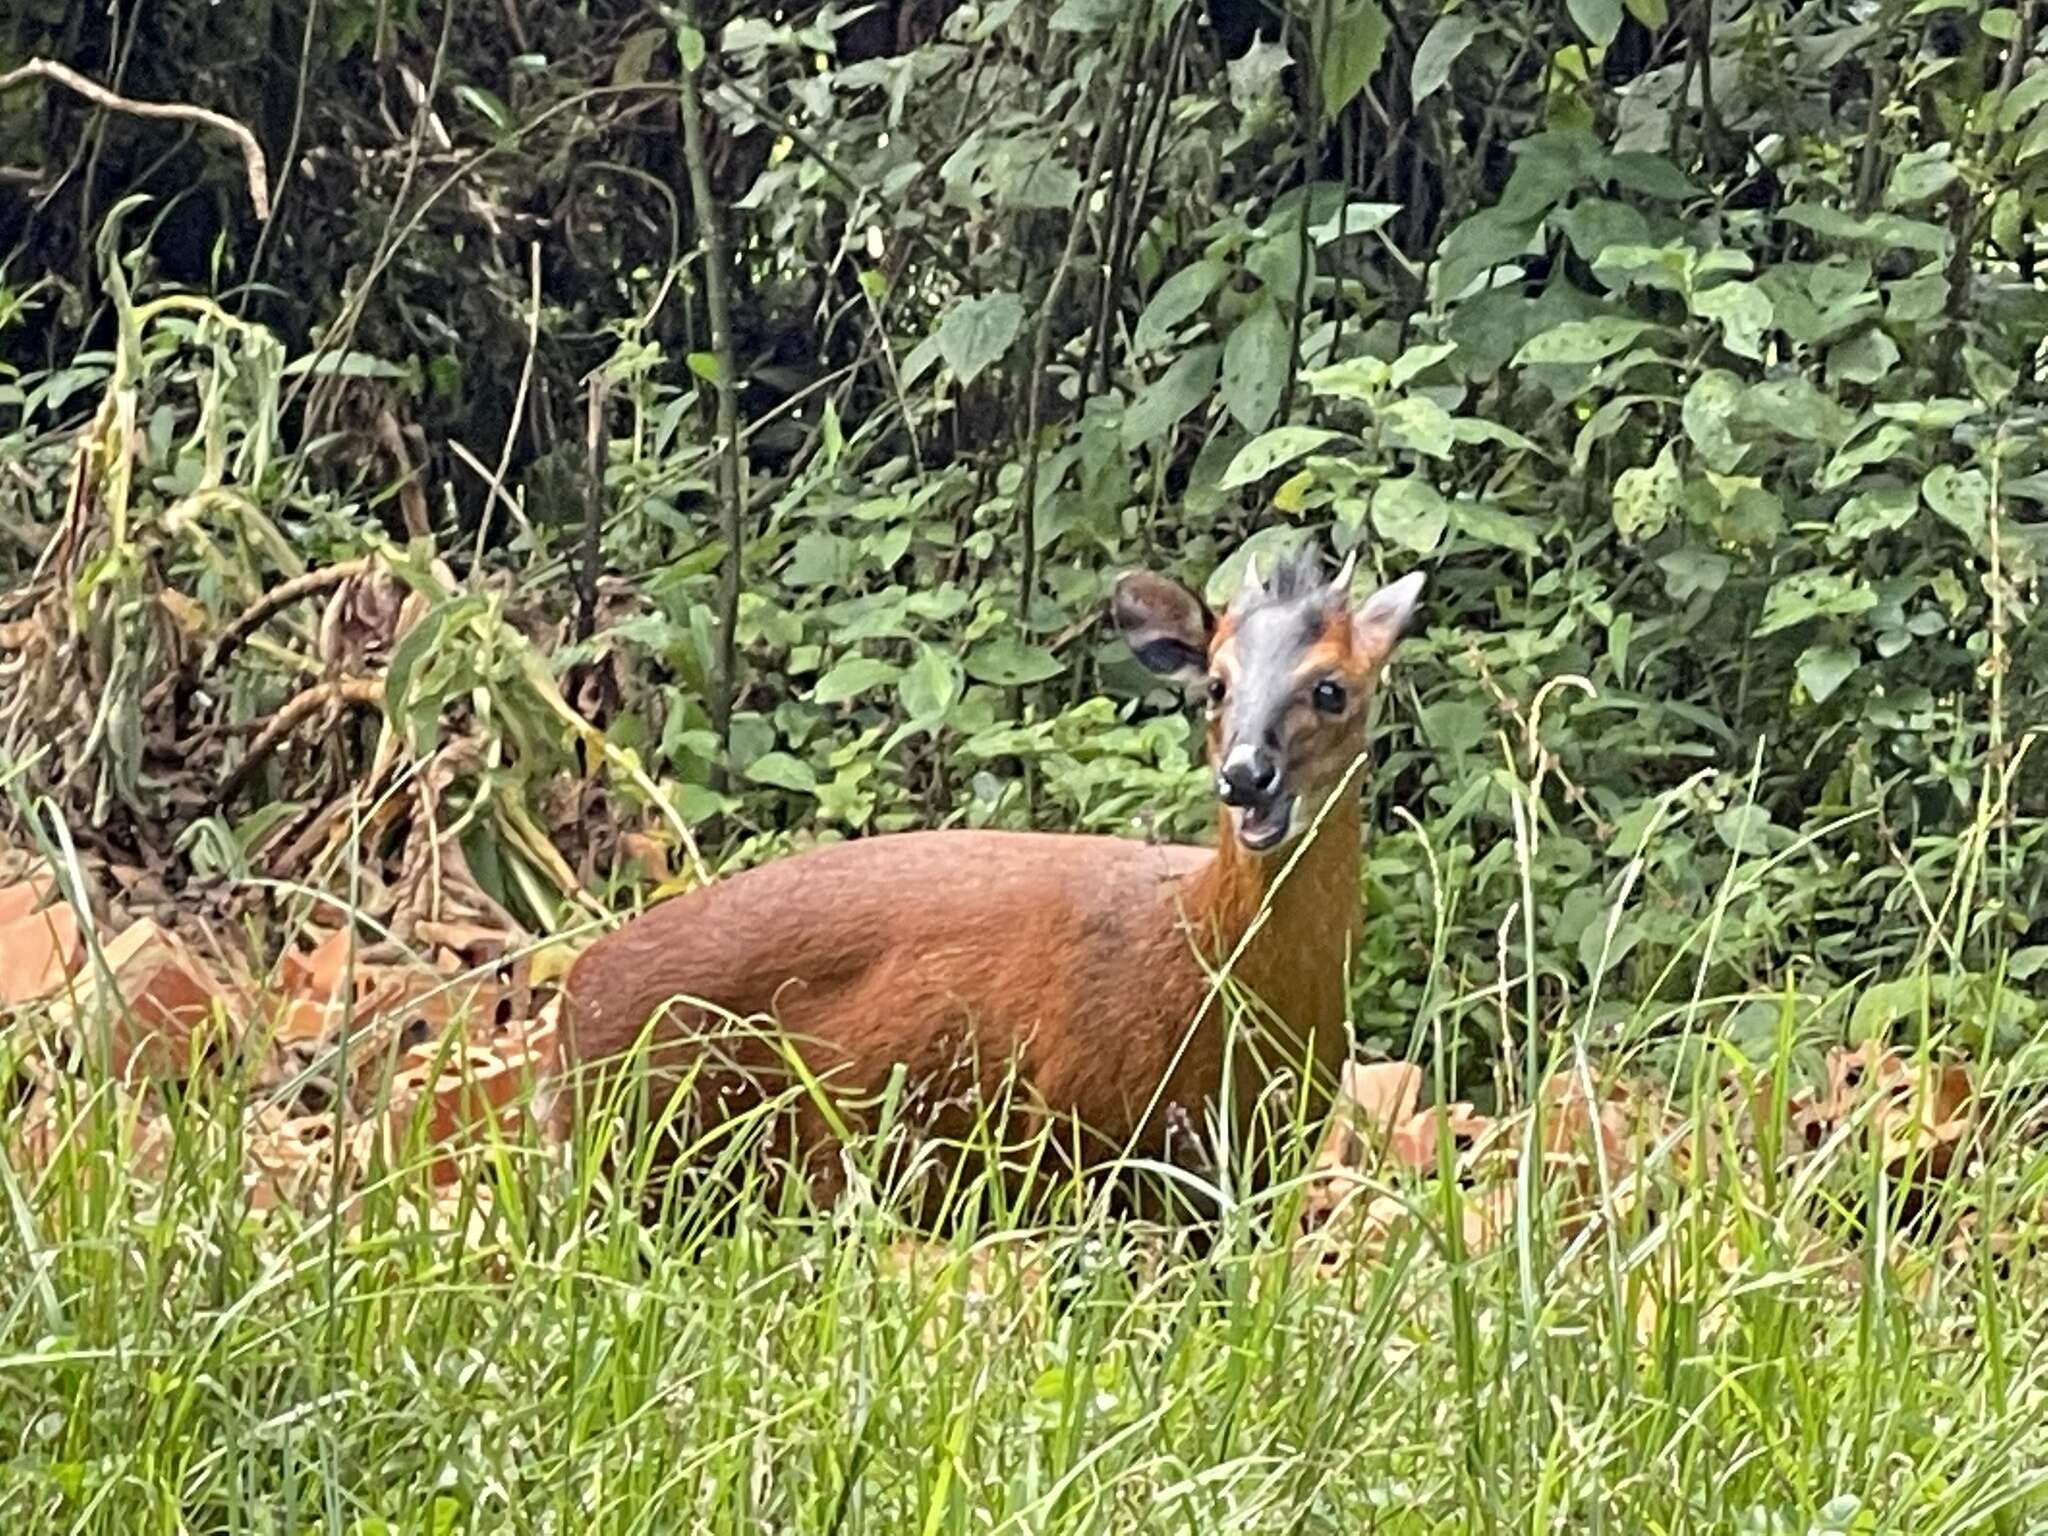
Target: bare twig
595 444
174 111
495 487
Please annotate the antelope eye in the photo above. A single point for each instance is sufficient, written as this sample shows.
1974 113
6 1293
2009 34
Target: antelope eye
1328 697
1216 690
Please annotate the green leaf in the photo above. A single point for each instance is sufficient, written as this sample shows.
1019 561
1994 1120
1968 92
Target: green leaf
1178 297
704 365
1599 20
1869 513
1743 311
493 110
1824 668
783 772
1879 229
853 676
1709 405
1651 13
1646 497
1269 450
1810 595
930 688
1348 51
1864 358
975 333
1162 404
1919 178
1410 513
1991 378
1961 498
1009 663
1255 363
1419 424
1439 50
1491 525
1583 341
1690 571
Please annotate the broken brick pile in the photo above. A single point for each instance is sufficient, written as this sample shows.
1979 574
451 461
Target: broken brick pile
409 1057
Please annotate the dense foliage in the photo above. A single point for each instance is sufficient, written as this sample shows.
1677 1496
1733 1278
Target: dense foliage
1692 345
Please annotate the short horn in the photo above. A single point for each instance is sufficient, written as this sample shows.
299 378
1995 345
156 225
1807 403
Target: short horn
1343 579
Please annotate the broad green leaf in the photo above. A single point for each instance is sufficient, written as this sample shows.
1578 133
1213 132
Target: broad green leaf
1646 497
975 333
1742 310
1419 424
1163 403
853 676
690 46
1808 595
1269 450
1255 360
1961 498
1709 406
1919 178
1991 378
1439 50
1793 407
1491 525
819 559
1410 513
1864 358
1651 13
930 687
1178 297
1879 229
1416 361
1824 668
1583 341
783 772
1690 571
2022 99
1888 441
1597 225
1599 20
1009 663
1869 513
1350 42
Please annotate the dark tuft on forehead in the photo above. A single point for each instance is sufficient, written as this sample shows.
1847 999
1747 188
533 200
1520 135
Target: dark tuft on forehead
1297 576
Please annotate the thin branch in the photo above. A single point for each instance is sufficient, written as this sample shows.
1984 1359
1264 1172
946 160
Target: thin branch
173 111
363 692
496 484
732 462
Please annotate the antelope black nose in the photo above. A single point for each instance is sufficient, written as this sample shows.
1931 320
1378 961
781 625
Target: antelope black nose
1249 776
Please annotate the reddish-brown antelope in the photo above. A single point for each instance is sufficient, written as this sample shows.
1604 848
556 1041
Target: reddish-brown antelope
1085 965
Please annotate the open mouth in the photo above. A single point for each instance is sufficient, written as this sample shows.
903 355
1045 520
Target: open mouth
1266 826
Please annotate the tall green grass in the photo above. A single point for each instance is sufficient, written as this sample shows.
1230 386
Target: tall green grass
1761 1344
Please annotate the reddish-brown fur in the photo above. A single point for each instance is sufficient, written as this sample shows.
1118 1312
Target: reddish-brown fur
955 954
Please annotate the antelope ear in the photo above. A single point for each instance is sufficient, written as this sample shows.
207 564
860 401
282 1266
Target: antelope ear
1166 626
1382 619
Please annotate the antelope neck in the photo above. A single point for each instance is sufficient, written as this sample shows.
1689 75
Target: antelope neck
1300 950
